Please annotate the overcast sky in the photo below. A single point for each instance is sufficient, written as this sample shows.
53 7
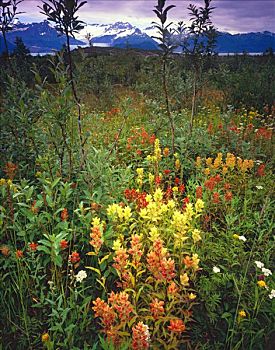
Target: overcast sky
230 15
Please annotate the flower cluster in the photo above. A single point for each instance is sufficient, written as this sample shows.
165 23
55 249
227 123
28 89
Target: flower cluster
96 234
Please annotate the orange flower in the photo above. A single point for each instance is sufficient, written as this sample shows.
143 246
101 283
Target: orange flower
33 246
166 152
140 337
96 241
199 192
188 262
156 308
105 312
5 250
260 170
135 250
172 289
177 326
121 304
216 198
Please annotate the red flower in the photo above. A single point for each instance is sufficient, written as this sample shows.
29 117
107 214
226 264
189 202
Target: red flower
156 308
74 257
33 246
139 152
261 169
216 198
177 326
19 254
177 181
199 192
64 215
228 196
63 244
185 201
181 188
158 180
141 337
167 171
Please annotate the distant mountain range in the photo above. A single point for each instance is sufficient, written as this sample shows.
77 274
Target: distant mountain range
43 38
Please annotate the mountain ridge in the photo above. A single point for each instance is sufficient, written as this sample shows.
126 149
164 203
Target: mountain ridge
42 37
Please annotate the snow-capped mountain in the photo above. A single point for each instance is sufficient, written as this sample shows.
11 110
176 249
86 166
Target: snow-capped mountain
39 37
119 34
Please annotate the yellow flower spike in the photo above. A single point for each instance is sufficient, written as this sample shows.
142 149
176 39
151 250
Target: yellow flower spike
140 172
175 189
96 221
196 235
235 236
209 162
261 284
157 150
116 245
9 182
2 182
198 162
158 195
127 213
196 261
184 279
151 179
177 164
199 205
153 233
207 171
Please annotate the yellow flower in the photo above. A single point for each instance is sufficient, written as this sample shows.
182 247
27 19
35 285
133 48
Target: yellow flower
153 233
127 213
207 171
236 236
192 296
157 150
199 205
184 279
261 284
198 162
117 245
175 189
158 195
196 236
209 162
177 164
2 182
196 261
151 179
45 337
242 313
96 221
224 170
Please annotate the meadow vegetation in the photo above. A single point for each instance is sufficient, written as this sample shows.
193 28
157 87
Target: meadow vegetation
110 239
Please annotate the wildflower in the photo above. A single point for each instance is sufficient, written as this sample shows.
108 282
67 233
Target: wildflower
207 171
181 188
140 337
5 250
121 304
74 257
228 196
199 192
135 250
198 162
156 308
261 284
19 254
177 326
33 246
261 170
81 276
166 152
259 187
272 294
63 244
96 236
266 272
105 312
242 238
172 289
45 337
199 205
216 269
177 164
184 279
259 264
167 172
192 296
216 198
196 235
64 215
242 314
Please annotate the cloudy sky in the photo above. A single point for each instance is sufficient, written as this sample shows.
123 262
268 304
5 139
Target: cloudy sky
229 15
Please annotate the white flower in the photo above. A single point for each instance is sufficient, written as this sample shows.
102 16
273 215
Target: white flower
81 276
242 238
216 269
259 187
272 294
259 264
266 272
